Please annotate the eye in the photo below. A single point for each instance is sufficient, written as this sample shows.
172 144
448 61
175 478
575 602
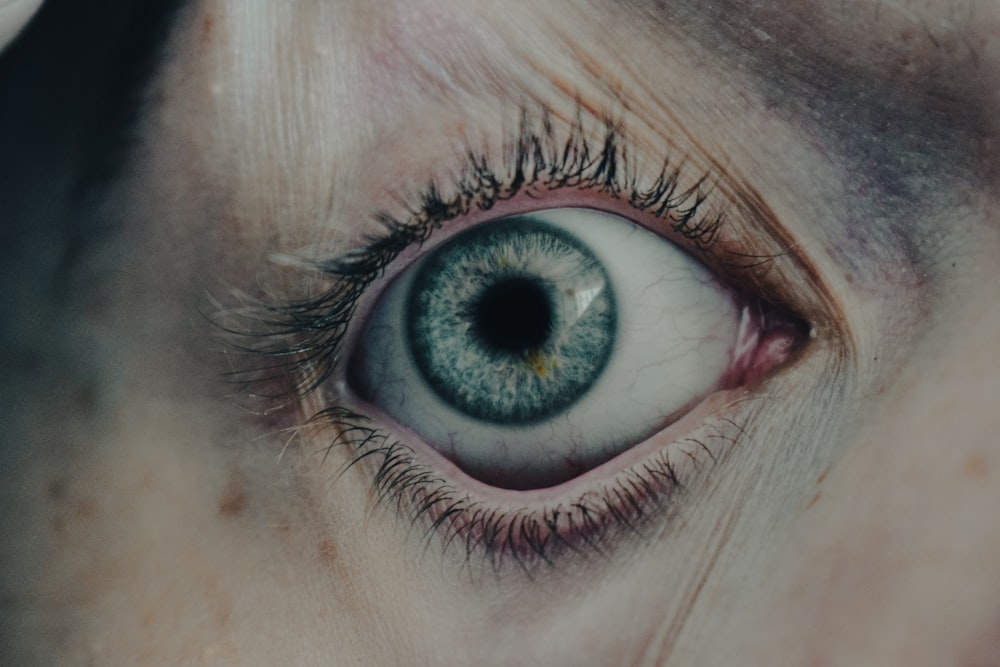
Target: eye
533 348
543 382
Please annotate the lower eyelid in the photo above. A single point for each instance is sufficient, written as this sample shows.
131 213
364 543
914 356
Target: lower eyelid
528 529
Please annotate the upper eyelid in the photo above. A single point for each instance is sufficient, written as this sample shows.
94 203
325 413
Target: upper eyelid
304 338
673 199
586 157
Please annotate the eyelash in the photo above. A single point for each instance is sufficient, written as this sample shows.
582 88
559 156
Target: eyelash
304 341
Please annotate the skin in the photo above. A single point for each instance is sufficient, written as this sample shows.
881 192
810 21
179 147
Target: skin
156 515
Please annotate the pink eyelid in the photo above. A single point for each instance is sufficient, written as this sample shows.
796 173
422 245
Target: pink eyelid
765 340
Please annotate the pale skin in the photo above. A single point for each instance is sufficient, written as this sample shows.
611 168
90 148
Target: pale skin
168 517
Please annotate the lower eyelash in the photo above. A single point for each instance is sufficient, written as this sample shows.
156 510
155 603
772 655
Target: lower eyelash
526 537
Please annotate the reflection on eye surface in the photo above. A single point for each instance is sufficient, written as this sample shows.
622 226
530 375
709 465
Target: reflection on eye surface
533 348
697 306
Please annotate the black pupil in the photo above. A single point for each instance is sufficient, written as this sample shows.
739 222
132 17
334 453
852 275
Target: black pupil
513 315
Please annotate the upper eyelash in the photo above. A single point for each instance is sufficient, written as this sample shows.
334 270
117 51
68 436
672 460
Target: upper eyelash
303 339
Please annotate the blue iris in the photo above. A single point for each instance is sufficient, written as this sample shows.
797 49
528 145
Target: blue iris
511 322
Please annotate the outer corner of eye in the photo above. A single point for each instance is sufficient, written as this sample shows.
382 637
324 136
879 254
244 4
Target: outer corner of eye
536 346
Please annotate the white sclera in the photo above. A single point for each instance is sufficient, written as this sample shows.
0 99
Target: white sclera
677 329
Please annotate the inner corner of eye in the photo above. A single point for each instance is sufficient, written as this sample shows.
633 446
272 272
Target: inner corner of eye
532 348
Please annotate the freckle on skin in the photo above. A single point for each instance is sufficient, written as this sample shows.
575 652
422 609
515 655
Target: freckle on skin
207 26
233 500
975 467
328 552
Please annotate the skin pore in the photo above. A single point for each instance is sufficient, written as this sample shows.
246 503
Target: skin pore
159 510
